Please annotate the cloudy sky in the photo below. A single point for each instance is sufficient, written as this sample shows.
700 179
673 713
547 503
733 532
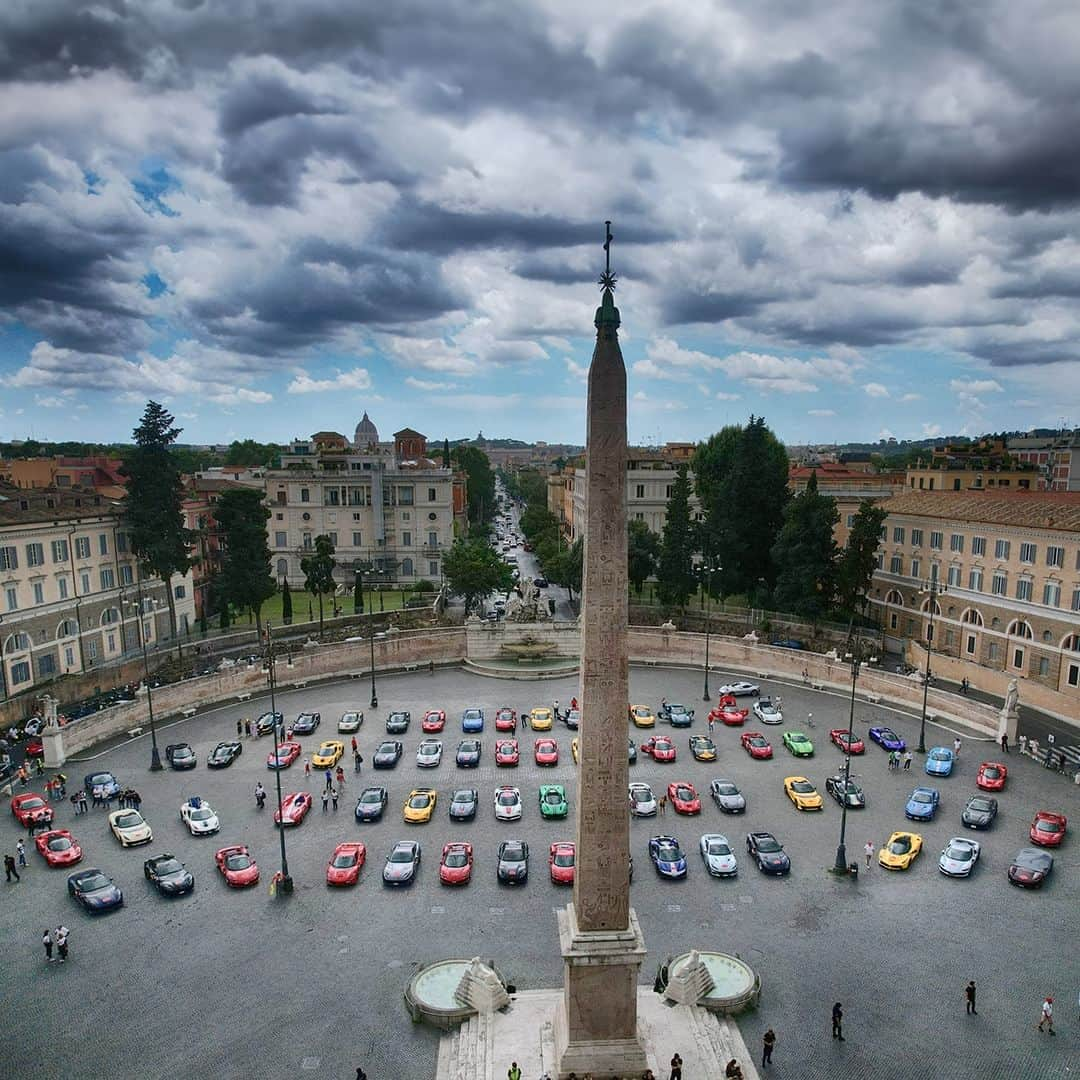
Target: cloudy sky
852 218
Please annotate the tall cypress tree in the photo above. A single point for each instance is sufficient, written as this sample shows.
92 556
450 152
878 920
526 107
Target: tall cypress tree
859 559
245 573
318 571
286 603
446 453
675 567
805 554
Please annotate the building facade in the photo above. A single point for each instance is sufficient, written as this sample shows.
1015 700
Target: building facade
100 474
70 589
385 505
1056 457
1010 567
849 487
985 465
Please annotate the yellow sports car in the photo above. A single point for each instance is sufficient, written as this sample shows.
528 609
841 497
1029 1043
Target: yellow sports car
642 716
574 749
899 853
420 805
802 793
541 719
328 754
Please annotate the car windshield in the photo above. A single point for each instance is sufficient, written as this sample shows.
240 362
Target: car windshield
350 717
796 736
429 748
669 853
803 787
980 804
959 853
758 741
507 798
900 846
31 804
991 772
1047 826
767 843
463 797
641 795
921 797
716 847
61 843
456 859
128 821
94 882
472 714
101 778
397 716
553 797
564 858
662 744
202 814
888 734
371 796
419 802
727 789
169 866
469 747
238 862
387 748
684 794
940 755
401 855
513 853
344 860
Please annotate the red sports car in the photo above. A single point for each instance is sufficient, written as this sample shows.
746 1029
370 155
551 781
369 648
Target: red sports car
505 720
546 752
561 861
731 714
1048 829
727 701
237 866
455 866
34 748
659 748
31 807
287 753
58 847
434 721
683 798
991 776
846 741
293 807
756 745
344 866
506 752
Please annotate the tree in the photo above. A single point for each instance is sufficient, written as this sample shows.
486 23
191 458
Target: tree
251 453
479 483
805 554
643 550
711 464
246 580
446 453
859 559
152 508
474 569
747 516
318 571
675 567
286 603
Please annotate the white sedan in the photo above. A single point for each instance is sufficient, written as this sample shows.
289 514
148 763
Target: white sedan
959 857
717 855
199 817
740 689
768 711
642 800
429 753
507 804
130 828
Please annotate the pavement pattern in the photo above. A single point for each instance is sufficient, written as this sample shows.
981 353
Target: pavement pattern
226 983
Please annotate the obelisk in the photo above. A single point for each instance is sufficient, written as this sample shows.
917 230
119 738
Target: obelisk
601 941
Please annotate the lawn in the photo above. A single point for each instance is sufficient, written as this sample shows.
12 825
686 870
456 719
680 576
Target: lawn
302 602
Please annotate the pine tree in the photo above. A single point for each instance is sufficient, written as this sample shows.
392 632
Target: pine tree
446 453
643 549
675 568
805 554
246 580
286 603
318 571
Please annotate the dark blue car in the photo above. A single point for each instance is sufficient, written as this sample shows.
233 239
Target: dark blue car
95 890
922 804
887 739
472 721
667 857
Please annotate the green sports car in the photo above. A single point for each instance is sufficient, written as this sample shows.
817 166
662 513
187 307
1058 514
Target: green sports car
553 801
798 744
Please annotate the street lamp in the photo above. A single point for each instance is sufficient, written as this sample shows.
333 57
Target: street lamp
374 696
707 570
935 589
841 864
286 882
155 755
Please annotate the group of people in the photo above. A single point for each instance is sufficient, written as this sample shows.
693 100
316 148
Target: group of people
59 938
896 758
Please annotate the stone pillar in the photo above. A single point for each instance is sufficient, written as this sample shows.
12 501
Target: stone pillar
1009 717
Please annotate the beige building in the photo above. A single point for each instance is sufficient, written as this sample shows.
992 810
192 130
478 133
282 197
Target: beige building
387 504
1010 564
69 589
985 465
848 486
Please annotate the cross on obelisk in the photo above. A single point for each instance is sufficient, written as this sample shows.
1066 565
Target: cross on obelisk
600 938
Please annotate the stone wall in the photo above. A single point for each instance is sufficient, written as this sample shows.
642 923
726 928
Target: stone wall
486 640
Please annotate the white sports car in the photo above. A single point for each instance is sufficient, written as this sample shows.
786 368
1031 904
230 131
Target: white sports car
429 753
130 828
740 689
507 804
642 800
959 857
717 855
199 817
768 711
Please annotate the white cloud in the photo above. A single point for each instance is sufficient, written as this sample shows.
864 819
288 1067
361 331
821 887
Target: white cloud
875 389
640 395
576 370
357 379
821 412
910 397
722 395
885 433
975 386
427 385
931 431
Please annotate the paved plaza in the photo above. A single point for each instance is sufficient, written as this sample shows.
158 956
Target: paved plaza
229 983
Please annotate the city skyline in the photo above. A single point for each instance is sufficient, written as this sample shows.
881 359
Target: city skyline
858 222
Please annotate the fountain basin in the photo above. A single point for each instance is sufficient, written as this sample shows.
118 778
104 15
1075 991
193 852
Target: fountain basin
735 985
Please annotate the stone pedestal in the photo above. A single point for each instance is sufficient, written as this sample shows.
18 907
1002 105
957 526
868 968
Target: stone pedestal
596 1026
52 741
691 982
481 989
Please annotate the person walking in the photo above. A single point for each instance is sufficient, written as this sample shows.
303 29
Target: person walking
868 851
768 1041
838 1022
325 799
1047 1016
334 796
84 807
556 710
1005 741
47 942
956 749
907 760
513 1073
524 719
662 804
964 684
712 724
260 795
329 777
676 1068
307 766
340 776
20 850
10 868
134 799
239 728
357 762
354 744
969 996
62 935
247 728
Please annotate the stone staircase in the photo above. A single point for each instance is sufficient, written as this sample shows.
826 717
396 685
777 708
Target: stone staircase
466 1054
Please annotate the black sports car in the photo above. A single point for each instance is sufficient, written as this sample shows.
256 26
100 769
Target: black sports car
397 723
94 890
223 755
463 804
468 753
980 811
768 852
168 875
180 756
371 804
265 724
387 754
306 723
842 792
513 862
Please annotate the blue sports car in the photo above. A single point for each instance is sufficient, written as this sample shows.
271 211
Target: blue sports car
887 739
939 761
922 804
667 857
472 720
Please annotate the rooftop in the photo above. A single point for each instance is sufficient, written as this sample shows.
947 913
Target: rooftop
25 506
1030 509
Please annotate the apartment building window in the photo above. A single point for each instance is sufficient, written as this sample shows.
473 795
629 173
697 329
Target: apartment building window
639 491
916 567
1076 600
404 496
879 561
82 547
978 545
281 539
35 555
433 568
357 539
898 534
108 578
432 495
1028 553
948 637
999 584
305 495
936 540
1018 658
954 575
61 585
896 565
307 541
91 650
850 520
1055 556
975 580
993 652
39 592
970 646
1052 594
433 539
59 551
916 537
357 517
69 656
1023 589
956 542
333 497
122 540
103 543
1044 666
332 537
1001 549
20 672
127 576
46 665
282 498
1074 675
406 568
406 539
9 558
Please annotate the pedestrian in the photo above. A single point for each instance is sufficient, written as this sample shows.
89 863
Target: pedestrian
768 1041
48 791
969 995
60 784
47 941
868 851
247 728
83 807
360 1074
513 1073
1047 1016
838 1022
134 799
907 760
357 761
307 766
23 775
662 803
325 799
1005 741
556 709
75 802
20 850
340 776
354 744
10 868
329 777
39 767
964 686
712 724
956 748
334 796
524 719
62 935
239 728
676 1068
260 795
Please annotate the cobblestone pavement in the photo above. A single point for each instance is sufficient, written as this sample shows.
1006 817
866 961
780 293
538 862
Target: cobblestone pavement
236 984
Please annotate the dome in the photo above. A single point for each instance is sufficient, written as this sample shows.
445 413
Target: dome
367 434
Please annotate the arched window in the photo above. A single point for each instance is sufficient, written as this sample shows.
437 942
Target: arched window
282 568
1019 628
406 568
972 617
1071 643
895 597
16 643
110 616
926 607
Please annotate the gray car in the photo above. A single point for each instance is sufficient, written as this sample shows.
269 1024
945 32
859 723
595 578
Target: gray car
513 862
727 796
403 863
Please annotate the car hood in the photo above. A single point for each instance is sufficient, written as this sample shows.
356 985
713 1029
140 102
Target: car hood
209 824
955 864
731 802
397 871
773 858
721 862
514 867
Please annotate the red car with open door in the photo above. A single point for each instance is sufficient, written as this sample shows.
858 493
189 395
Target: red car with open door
659 748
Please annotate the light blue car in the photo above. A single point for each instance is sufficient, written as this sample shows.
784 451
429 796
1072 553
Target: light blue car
939 761
472 721
922 804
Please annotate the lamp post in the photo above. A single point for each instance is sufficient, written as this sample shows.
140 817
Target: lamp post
707 570
155 755
374 696
841 864
286 883
935 589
